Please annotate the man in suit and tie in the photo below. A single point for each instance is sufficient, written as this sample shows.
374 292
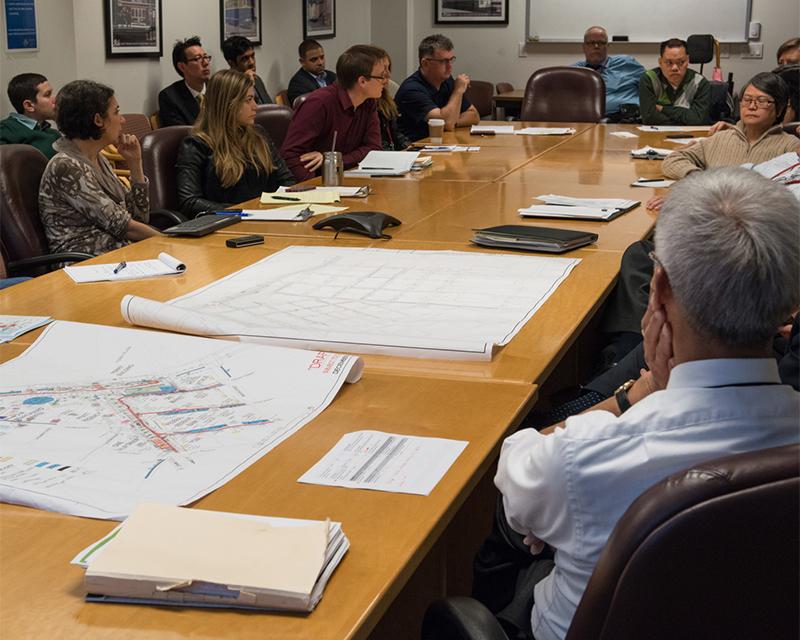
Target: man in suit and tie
241 56
312 74
179 103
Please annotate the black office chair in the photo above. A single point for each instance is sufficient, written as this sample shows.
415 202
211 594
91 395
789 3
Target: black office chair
710 552
159 155
22 238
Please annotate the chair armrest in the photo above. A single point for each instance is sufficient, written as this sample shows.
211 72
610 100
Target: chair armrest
21 267
164 218
460 618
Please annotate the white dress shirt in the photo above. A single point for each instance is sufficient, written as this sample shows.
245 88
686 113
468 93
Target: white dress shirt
570 488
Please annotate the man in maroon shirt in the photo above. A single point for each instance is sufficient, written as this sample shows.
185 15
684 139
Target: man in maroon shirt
347 108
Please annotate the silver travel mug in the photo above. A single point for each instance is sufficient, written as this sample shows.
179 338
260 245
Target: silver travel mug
332 168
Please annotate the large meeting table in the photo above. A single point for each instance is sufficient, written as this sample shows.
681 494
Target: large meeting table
405 549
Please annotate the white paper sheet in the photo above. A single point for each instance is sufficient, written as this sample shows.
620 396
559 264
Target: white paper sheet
544 131
497 129
623 134
386 462
99 419
563 211
448 148
12 327
315 196
291 213
603 203
671 128
164 265
430 304
684 141
653 183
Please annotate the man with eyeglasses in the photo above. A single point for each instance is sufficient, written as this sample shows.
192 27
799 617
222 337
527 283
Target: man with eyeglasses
620 73
241 56
179 103
432 92
673 93
344 114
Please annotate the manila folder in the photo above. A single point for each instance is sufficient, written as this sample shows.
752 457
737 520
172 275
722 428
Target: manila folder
192 556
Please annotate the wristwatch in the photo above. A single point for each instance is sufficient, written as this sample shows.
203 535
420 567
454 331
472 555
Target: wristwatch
621 395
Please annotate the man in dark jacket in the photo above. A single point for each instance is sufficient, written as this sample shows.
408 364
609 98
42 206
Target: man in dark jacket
179 103
312 74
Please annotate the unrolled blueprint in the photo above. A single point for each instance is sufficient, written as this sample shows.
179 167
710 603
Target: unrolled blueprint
94 420
433 304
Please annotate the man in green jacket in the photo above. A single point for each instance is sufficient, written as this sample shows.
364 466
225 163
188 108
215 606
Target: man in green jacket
673 94
35 101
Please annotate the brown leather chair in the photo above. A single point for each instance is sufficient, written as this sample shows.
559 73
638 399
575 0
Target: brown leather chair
275 118
299 100
480 93
564 94
159 155
503 87
710 552
22 238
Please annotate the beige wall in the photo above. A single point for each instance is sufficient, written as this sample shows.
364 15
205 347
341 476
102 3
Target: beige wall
490 53
73 46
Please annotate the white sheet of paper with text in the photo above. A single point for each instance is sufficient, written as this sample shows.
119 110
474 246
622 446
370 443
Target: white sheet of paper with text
386 462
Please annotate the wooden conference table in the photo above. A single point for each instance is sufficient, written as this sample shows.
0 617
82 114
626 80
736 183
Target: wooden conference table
406 550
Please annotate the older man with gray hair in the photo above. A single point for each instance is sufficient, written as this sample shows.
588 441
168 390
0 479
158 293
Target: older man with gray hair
726 269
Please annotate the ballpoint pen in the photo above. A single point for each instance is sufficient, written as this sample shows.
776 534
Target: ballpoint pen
650 179
120 266
241 214
290 199
377 168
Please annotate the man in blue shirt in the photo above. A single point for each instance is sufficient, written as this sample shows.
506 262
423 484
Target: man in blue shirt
620 73
431 91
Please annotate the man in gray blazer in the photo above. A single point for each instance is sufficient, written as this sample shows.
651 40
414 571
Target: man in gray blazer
241 56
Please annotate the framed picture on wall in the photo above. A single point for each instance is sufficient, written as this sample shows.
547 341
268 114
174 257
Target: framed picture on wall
470 11
319 19
240 18
133 28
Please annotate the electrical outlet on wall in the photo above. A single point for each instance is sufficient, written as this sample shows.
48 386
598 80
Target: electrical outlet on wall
754 32
755 51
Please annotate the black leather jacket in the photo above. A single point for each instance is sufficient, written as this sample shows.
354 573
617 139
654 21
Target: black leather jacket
199 188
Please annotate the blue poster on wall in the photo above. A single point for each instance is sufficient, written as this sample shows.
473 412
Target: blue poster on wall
21 32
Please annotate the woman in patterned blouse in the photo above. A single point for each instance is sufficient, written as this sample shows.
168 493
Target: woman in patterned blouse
83 205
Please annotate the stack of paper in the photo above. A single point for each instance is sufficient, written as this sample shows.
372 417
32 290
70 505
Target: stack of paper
585 208
671 128
164 265
650 153
497 129
385 163
545 131
623 134
191 557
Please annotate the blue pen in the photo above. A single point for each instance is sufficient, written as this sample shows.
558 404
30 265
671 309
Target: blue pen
241 214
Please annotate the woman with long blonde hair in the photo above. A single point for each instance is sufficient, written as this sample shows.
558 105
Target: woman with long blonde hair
227 158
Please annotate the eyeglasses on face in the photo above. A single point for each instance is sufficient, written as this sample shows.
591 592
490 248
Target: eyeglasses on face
443 60
761 102
203 58
596 43
382 78
675 63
